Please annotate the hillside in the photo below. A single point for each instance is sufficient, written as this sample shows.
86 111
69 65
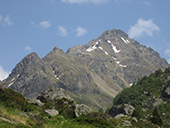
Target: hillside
51 109
149 98
91 74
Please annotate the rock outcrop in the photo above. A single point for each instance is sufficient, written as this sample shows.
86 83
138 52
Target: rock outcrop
125 109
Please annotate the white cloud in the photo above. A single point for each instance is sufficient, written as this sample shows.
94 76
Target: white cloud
167 52
122 1
44 24
8 20
84 1
169 61
62 31
147 3
27 49
81 31
3 74
32 23
143 27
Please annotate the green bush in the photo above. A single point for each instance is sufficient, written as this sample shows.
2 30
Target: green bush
156 118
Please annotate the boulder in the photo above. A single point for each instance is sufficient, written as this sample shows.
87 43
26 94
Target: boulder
126 124
81 109
51 112
119 116
134 119
125 109
157 102
36 102
53 94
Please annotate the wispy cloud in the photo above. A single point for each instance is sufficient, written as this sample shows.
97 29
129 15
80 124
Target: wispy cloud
42 24
143 27
84 1
147 3
27 49
81 31
45 24
6 20
62 31
122 1
169 61
3 73
167 53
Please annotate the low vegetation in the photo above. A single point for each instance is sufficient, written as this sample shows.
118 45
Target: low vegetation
149 96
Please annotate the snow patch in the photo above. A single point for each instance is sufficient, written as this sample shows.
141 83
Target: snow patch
92 48
13 79
100 48
128 41
10 84
56 77
124 40
103 50
131 84
115 49
118 62
109 41
114 58
122 65
18 75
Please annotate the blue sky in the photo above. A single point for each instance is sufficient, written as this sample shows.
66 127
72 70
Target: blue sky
39 25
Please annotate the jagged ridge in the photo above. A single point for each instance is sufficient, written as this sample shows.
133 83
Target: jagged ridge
92 74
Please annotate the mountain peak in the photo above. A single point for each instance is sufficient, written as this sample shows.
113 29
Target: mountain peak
114 32
56 49
97 70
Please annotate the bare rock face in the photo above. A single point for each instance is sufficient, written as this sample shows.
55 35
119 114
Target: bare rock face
125 109
81 109
53 94
98 70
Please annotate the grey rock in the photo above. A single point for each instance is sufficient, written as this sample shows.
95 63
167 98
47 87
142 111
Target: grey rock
134 119
36 102
125 109
157 102
54 94
81 109
167 91
52 112
120 116
126 124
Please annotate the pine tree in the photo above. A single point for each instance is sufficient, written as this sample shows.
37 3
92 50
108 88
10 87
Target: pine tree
156 117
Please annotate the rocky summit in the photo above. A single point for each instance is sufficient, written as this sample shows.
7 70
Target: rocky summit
91 74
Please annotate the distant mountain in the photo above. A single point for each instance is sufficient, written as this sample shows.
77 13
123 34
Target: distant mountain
92 74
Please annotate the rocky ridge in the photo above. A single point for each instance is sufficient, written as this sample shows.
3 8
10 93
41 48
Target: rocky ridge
92 74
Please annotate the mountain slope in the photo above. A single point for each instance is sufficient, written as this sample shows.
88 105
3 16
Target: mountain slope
148 95
92 74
